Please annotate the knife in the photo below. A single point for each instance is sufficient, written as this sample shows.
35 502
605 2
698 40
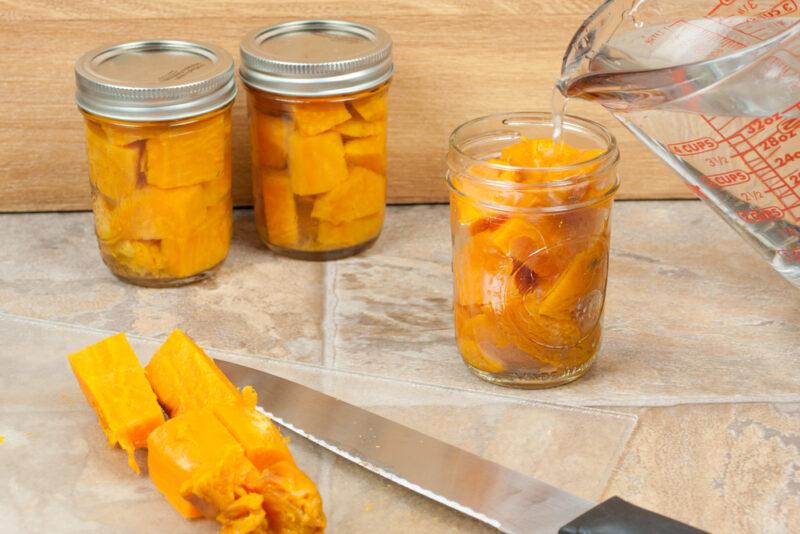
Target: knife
505 499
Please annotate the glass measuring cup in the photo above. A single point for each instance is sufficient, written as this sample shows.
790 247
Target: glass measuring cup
712 88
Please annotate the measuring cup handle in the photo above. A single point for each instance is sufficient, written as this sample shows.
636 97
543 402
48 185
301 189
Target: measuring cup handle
616 516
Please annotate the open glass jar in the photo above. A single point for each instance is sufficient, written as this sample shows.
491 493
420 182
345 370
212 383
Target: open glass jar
531 231
317 99
158 133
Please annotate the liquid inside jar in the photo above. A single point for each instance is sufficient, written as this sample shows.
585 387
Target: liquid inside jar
531 235
161 194
319 171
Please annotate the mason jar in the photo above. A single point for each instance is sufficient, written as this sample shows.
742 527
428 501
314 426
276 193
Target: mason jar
531 231
317 100
157 118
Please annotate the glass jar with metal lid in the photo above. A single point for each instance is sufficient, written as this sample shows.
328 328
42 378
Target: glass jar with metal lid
158 133
317 98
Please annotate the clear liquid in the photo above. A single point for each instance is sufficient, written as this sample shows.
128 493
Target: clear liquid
730 128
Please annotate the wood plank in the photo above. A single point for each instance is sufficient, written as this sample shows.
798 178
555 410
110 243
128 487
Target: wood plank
455 61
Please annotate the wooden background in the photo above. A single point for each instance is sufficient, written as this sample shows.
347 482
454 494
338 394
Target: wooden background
455 60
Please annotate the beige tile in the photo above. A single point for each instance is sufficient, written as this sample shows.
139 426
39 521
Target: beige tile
723 468
693 315
56 462
258 303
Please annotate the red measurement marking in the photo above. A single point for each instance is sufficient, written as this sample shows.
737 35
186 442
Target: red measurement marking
696 146
726 179
792 254
772 213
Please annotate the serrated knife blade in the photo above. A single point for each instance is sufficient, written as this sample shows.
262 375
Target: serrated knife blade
489 492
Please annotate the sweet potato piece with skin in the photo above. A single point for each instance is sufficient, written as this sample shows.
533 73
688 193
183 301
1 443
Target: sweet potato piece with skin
114 383
313 118
262 442
280 210
316 164
369 152
184 378
362 194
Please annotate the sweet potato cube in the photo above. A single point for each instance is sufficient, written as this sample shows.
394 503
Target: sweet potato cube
357 127
190 154
369 152
113 169
362 194
316 117
316 164
262 442
291 500
280 210
372 108
182 446
114 383
270 134
184 378
203 248
349 233
151 213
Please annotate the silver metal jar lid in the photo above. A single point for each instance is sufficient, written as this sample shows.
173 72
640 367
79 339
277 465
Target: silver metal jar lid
154 80
316 58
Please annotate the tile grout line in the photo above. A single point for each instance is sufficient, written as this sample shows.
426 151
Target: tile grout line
328 327
594 404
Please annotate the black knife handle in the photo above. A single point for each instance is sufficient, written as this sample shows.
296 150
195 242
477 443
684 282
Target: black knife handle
616 516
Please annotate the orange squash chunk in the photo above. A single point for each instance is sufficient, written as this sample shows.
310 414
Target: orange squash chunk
586 271
114 383
517 238
188 154
475 335
270 134
280 210
202 249
228 489
181 446
141 258
217 191
316 117
349 233
372 108
104 225
362 194
151 213
184 378
369 152
316 164
356 127
262 441
292 501
482 273
113 169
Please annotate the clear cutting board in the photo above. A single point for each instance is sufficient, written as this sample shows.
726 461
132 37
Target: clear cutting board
58 475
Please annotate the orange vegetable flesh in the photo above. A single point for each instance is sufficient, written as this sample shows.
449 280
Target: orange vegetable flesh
184 378
530 286
114 383
321 168
187 383
162 194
